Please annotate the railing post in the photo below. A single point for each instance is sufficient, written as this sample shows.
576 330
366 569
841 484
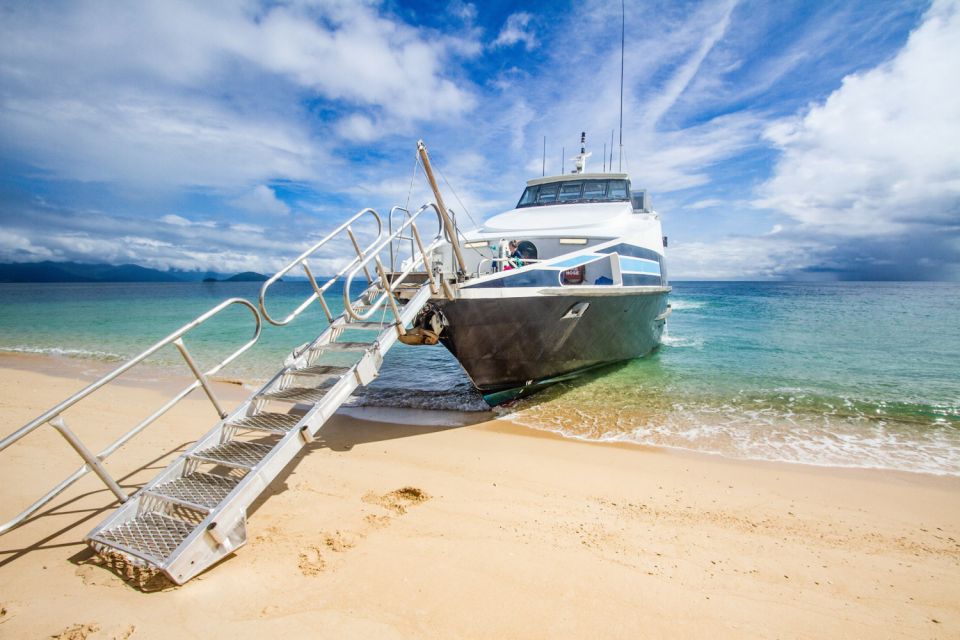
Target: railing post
182 348
423 258
316 289
356 245
390 298
88 457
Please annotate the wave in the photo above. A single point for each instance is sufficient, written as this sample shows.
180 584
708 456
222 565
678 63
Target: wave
679 304
681 341
104 356
789 427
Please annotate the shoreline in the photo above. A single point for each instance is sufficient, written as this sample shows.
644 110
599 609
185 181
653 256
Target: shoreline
237 389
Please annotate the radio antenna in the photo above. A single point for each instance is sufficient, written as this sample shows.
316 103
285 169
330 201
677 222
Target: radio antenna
611 150
543 170
623 31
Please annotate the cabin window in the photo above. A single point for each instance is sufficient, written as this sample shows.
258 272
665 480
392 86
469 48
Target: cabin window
617 190
595 190
529 197
570 191
548 193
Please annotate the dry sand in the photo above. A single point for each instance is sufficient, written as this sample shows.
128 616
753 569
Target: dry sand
384 529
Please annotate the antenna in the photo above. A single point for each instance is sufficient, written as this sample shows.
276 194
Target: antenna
543 171
611 149
563 153
623 31
604 157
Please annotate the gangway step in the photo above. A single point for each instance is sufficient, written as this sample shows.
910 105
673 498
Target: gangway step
344 346
296 394
270 422
368 325
199 491
238 454
151 535
321 370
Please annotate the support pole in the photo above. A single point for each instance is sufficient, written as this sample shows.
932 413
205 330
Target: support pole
93 461
448 227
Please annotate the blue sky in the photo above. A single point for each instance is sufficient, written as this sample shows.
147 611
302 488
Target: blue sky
778 139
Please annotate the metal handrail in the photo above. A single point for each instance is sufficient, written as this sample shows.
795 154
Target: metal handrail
301 260
93 462
526 262
388 284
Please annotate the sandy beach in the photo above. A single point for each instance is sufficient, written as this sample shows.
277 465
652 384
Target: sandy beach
397 524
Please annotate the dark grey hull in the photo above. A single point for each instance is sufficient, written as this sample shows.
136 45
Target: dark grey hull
513 345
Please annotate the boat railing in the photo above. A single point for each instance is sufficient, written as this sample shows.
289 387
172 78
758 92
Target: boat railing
302 261
501 262
391 281
94 462
394 252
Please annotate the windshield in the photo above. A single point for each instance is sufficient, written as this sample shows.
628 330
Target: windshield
575 191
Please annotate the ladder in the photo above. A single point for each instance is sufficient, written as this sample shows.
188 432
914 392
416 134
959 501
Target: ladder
193 513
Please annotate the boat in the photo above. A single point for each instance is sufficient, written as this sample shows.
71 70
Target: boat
585 287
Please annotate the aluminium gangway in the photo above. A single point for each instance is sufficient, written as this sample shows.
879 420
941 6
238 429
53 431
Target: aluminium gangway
193 513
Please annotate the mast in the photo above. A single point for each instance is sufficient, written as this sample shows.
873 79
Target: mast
580 161
448 227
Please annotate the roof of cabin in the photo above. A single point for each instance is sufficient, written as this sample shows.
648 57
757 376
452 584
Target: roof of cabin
578 176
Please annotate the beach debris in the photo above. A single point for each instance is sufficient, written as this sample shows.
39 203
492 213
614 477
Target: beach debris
77 632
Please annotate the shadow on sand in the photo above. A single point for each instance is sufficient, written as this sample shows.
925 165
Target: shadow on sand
341 433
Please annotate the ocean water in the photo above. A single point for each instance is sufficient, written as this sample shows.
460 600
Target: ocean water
836 374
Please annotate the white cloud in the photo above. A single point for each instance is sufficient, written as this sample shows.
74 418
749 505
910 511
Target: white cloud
211 94
358 128
707 203
743 258
656 107
517 29
262 199
174 219
466 11
880 154
18 247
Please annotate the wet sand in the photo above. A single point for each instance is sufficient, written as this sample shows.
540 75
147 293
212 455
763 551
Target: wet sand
397 524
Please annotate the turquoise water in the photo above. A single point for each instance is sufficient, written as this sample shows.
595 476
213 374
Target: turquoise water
839 374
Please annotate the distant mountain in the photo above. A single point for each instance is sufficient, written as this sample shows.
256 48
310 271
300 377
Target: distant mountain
76 272
246 276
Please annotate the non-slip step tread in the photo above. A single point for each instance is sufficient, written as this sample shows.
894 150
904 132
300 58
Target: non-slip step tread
321 370
152 534
271 422
344 346
297 394
244 455
368 324
203 489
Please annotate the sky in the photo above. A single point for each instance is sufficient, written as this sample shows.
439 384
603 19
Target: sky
779 140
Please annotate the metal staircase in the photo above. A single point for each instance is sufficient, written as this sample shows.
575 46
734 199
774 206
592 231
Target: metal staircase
194 512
